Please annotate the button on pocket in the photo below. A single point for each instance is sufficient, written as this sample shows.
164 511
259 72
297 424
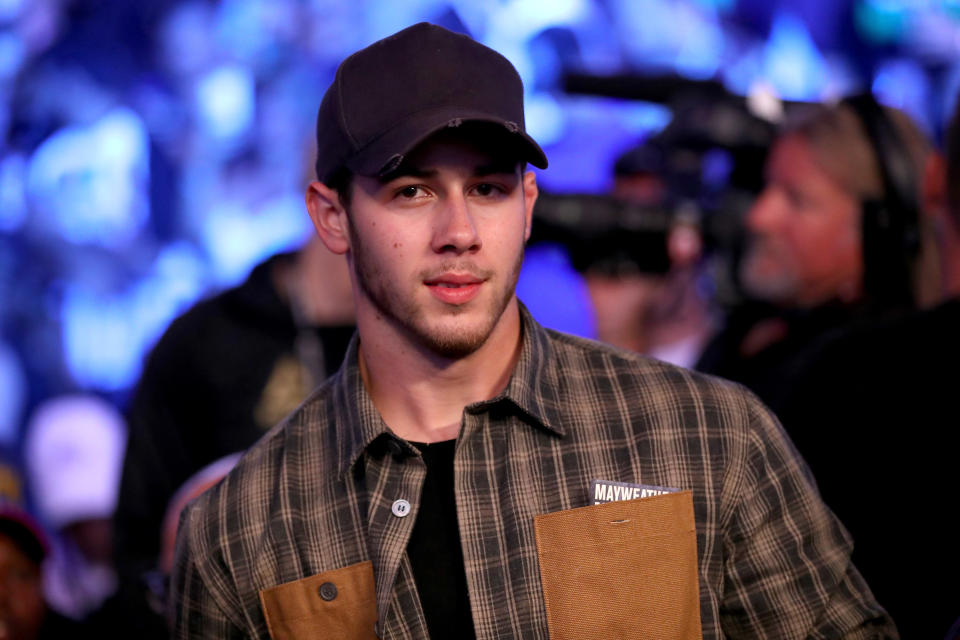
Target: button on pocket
340 602
328 591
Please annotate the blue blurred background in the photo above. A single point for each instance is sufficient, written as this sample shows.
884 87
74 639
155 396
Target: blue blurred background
153 152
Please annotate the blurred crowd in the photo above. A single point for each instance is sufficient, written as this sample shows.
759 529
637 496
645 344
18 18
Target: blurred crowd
815 260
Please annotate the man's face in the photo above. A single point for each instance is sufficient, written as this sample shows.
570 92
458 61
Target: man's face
804 233
437 248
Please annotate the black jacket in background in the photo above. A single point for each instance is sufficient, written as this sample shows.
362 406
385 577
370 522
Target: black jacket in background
769 371
222 374
876 415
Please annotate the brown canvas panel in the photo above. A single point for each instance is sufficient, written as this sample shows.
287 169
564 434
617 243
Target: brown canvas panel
623 569
297 610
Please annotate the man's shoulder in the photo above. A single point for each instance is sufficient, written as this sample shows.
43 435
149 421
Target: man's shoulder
590 359
207 323
252 303
599 385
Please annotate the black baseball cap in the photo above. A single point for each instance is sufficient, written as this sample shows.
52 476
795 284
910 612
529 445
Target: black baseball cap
389 97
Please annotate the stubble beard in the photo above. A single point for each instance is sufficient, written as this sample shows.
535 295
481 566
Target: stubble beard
449 340
779 284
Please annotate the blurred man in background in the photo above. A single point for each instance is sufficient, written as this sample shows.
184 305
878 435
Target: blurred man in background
873 411
807 267
221 375
842 247
665 315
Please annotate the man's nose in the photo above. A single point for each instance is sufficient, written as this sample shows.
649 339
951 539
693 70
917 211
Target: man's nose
456 228
765 212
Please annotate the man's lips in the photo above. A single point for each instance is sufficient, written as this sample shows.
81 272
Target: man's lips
453 279
454 288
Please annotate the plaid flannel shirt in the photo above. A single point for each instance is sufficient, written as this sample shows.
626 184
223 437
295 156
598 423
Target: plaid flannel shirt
315 494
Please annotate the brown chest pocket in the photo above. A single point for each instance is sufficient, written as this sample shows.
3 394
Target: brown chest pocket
335 604
621 570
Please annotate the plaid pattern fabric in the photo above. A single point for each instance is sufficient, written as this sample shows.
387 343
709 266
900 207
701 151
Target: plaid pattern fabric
315 494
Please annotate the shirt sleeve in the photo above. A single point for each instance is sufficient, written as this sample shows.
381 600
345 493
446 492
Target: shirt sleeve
787 568
198 608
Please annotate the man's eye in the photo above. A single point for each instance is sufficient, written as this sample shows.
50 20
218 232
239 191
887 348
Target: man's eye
411 191
486 189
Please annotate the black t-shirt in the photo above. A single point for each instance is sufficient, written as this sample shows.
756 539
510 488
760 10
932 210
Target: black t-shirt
434 549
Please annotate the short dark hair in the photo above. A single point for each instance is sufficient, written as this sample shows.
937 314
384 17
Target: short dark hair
479 133
342 182
953 164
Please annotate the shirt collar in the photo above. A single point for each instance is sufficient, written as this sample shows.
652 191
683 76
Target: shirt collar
534 388
357 422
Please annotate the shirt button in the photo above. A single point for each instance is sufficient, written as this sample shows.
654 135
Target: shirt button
328 591
400 508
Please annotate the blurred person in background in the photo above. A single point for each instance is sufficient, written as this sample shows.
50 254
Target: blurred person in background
874 413
24 613
73 450
664 314
221 375
639 253
809 269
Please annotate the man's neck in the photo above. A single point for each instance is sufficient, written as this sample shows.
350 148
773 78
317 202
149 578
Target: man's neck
950 255
421 395
317 286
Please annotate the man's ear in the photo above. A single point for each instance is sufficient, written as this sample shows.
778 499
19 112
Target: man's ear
329 217
530 193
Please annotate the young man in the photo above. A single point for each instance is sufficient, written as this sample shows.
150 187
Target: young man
445 482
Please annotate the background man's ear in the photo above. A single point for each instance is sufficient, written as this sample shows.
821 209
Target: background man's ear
329 216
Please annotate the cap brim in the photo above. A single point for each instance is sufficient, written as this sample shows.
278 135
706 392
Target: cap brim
386 152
